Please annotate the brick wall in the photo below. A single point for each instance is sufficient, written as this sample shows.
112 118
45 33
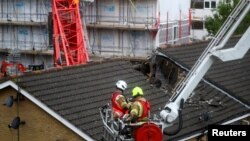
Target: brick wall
39 125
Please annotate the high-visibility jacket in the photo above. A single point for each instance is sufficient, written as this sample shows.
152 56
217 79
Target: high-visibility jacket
146 110
141 109
119 104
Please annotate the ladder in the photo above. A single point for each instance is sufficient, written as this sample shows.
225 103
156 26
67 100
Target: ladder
69 42
216 43
214 49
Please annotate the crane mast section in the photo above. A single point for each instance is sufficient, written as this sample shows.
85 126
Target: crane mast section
69 42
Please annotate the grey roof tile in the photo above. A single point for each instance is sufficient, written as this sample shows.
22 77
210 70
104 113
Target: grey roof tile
76 94
224 74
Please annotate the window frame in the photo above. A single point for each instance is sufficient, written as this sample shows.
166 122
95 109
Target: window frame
210 4
197 25
205 4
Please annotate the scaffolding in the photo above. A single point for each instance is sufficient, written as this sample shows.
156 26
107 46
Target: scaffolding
114 28
132 28
24 26
122 13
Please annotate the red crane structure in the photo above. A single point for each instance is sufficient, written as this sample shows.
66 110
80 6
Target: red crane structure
69 43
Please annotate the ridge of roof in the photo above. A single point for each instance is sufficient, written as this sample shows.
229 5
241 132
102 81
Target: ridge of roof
90 63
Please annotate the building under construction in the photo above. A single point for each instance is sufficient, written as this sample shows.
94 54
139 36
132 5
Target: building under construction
24 30
203 85
112 28
135 28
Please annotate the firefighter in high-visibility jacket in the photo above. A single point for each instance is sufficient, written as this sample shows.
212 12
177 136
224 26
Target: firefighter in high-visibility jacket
118 100
140 107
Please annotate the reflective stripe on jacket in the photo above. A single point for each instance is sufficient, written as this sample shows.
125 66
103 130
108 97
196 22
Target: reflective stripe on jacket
118 102
140 108
146 109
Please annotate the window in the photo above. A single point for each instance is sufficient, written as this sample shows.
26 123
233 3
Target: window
197 4
213 4
210 4
207 4
197 24
175 32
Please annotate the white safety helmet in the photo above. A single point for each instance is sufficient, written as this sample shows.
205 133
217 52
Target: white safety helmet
120 84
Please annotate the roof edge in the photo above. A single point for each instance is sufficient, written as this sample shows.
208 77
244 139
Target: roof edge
45 108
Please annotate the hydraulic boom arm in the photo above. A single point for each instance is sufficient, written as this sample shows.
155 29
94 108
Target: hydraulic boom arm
214 49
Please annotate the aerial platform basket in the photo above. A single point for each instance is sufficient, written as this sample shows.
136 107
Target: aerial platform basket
117 130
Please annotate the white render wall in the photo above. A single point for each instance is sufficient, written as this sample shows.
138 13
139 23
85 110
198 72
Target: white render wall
200 15
173 8
174 22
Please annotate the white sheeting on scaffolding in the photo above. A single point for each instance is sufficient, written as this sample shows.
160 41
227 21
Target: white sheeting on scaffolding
15 34
120 42
23 38
127 14
24 27
25 10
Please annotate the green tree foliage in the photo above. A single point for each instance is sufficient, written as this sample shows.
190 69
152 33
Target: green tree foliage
220 15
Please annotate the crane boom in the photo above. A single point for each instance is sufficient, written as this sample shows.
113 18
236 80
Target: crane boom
69 43
184 89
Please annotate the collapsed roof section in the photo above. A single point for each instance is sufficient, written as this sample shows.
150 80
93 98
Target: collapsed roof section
233 77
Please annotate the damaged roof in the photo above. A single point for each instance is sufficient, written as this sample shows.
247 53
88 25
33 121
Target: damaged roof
223 96
232 76
77 93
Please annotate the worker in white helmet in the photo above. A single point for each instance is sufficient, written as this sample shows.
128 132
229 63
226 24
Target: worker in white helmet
119 103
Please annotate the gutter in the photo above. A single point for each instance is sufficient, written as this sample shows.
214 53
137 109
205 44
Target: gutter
46 108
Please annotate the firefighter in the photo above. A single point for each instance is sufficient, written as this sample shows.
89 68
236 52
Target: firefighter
140 107
119 103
